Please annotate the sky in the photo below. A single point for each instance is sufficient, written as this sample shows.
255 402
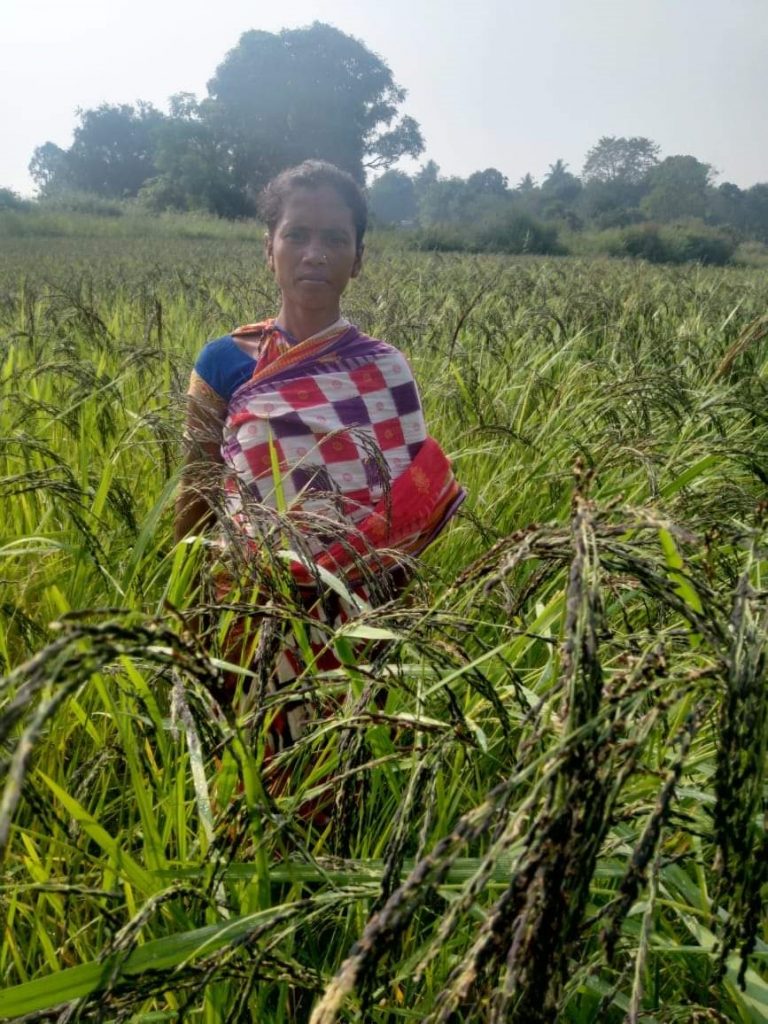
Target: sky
511 84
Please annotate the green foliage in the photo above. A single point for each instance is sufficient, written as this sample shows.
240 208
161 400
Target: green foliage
559 185
445 201
194 165
98 218
489 182
545 780
612 203
678 188
10 200
620 160
82 202
644 243
680 243
336 100
392 198
705 245
756 211
49 169
507 232
515 233
112 154
333 99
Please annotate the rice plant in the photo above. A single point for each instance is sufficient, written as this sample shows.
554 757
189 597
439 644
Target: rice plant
538 794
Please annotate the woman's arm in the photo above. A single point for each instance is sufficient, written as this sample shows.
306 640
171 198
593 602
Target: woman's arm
201 476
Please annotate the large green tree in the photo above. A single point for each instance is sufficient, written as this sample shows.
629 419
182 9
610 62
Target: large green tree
615 176
445 201
276 99
559 189
392 198
679 189
112 153
49 169
489 182
756 211
194 164
279 98
620 159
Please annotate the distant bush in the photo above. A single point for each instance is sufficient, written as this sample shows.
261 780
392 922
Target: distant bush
158 195
707 246
645 243
442 238
618 218
682 243
514 233
517 233
752 254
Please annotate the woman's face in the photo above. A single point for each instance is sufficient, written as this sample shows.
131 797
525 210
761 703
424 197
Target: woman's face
312 251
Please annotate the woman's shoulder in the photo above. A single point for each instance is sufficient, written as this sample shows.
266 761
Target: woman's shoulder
224 366
386 354
377 348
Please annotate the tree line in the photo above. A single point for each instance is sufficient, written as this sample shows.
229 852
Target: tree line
624 184
279 98
275 100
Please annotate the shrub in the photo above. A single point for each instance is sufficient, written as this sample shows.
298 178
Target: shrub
443 238
682 243
513 233
517 233
646 243
618 218
707 246
160 194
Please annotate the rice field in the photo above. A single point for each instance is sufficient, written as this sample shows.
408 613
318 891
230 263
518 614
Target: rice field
543 785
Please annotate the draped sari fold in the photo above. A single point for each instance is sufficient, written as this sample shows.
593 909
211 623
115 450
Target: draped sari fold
329 434
333 428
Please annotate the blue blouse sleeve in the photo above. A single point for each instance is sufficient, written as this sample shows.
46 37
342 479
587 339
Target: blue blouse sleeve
224 366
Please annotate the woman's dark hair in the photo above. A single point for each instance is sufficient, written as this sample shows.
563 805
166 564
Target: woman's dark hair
313 174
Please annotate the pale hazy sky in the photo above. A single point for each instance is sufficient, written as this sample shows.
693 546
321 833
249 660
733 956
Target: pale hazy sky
512 84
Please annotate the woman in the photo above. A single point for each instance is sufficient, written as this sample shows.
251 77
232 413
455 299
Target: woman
313 429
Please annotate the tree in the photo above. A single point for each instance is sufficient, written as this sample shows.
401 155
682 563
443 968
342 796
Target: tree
278 99
425 177
489 182
275 100
194 165
113 149
727 205
612 203
756 211
526 185
559 184
679 188
620 160
11 200
445 202
49 169
392 198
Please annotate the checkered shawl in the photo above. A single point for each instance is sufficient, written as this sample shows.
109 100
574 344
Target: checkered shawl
333 427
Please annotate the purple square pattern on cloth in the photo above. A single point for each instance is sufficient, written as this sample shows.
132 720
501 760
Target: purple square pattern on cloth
406 398
312 478
352 412
289 424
